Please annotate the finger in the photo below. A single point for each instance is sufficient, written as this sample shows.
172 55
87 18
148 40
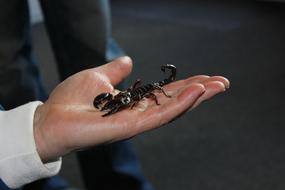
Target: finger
212 88
224 80
197 78
159 115
117 70
182 83
204 79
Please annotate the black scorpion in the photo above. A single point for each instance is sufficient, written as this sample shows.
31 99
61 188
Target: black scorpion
135 93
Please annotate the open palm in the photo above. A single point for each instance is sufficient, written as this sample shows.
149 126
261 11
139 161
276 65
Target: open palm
68 120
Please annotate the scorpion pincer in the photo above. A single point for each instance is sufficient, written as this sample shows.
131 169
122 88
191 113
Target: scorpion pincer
135 93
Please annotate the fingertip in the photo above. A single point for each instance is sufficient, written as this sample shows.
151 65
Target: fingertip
224 80
125 61
117 70
228 83
216 85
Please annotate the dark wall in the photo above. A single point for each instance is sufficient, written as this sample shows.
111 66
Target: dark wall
235 141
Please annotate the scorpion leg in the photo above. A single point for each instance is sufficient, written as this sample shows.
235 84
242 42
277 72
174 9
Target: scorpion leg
111 104
113 110
152 96
101 98
157 87
134 104
137 83
136 100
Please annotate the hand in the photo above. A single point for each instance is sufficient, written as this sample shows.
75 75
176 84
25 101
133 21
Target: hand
67 121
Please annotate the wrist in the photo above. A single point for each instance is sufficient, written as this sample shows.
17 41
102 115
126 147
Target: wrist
46 152
38 134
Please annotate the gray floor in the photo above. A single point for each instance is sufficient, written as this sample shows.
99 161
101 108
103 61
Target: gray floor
236 141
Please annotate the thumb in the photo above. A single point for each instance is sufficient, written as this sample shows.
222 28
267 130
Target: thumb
117 70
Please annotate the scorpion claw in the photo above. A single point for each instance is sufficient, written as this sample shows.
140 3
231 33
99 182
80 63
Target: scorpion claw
101 98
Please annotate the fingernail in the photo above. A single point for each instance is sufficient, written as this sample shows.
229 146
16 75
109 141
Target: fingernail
125 59
227 86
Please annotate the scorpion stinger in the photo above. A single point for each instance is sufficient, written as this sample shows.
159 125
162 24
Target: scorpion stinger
172 76
134 94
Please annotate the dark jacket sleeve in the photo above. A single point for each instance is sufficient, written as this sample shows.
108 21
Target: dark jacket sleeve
1 108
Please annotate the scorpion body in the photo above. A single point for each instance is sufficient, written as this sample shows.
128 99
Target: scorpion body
135 93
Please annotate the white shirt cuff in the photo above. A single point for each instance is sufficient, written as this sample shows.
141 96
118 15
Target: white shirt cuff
19 160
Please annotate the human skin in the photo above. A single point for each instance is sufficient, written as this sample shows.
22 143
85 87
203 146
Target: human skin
68 121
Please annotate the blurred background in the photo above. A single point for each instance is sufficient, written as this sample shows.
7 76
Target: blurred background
235 141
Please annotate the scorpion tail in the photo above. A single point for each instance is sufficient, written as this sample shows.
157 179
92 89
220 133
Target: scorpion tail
172 76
